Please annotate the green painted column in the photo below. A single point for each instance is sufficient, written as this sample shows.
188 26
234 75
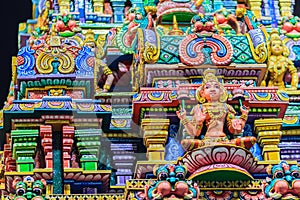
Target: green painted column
88 143
23 146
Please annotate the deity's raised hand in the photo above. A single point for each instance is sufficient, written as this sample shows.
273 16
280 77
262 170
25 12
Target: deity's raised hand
244 110
238 125
199 115
181 114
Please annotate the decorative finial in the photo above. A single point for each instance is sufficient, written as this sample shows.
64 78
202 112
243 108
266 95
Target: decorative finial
175 30
89 36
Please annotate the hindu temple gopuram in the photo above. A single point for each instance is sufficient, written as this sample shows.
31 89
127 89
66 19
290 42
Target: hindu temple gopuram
154 100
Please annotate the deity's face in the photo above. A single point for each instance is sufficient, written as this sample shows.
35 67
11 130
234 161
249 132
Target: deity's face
276 47
212 91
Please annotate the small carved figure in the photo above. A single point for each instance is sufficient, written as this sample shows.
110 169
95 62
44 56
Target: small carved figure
135 18
226 22
279 64
213 116
285 182
246 19
66 26
203 24
171 183
29 188
100 65
291 25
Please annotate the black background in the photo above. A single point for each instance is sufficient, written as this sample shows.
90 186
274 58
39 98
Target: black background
12 13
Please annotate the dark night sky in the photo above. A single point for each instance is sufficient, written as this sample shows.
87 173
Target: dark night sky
13 13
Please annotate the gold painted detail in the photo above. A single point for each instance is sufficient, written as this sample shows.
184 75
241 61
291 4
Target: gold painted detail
56 59
290 119
155 133
139 184
87 197
151 53
271 124
242 185
291 132
136 184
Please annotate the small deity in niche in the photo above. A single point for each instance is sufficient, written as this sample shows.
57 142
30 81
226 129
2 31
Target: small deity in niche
279 64
100 65
213 117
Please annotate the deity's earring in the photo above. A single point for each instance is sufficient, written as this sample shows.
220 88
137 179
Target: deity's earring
202 100
224 96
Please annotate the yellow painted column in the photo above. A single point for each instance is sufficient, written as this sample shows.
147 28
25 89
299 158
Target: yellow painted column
98 6
269 134
255 7
64 6
285 8
49 189
67 189
155 132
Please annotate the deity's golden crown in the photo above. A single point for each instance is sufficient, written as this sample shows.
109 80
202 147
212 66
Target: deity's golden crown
89 36
209 75
274 35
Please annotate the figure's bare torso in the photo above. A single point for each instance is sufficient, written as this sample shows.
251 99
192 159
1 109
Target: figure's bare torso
277 68
215 119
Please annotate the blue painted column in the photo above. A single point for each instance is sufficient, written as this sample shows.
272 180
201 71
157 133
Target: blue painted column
230 5
137 3
81 9
55 6
273 16
118 7
218 4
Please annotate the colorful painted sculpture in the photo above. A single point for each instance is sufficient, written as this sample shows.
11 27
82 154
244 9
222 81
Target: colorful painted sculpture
29 189
66 26
279 64
226 22
245 18
291 24
101 67
285 182
135 18
106 146
215 115
171 184
203 24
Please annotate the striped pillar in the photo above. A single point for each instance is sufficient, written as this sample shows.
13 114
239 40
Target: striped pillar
155 132
269 134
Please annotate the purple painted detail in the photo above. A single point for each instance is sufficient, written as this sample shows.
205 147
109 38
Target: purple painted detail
257 37
290 45
123 158
150 36
290 150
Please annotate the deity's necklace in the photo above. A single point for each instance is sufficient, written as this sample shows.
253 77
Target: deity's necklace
215 110
279 69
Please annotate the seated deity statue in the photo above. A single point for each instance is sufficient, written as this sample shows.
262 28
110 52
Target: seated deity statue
214 118
279 64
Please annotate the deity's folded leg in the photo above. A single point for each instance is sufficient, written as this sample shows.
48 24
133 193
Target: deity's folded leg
189 144
246 142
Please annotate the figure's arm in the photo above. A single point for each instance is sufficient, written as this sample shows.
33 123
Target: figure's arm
193 127
293 71
264 81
